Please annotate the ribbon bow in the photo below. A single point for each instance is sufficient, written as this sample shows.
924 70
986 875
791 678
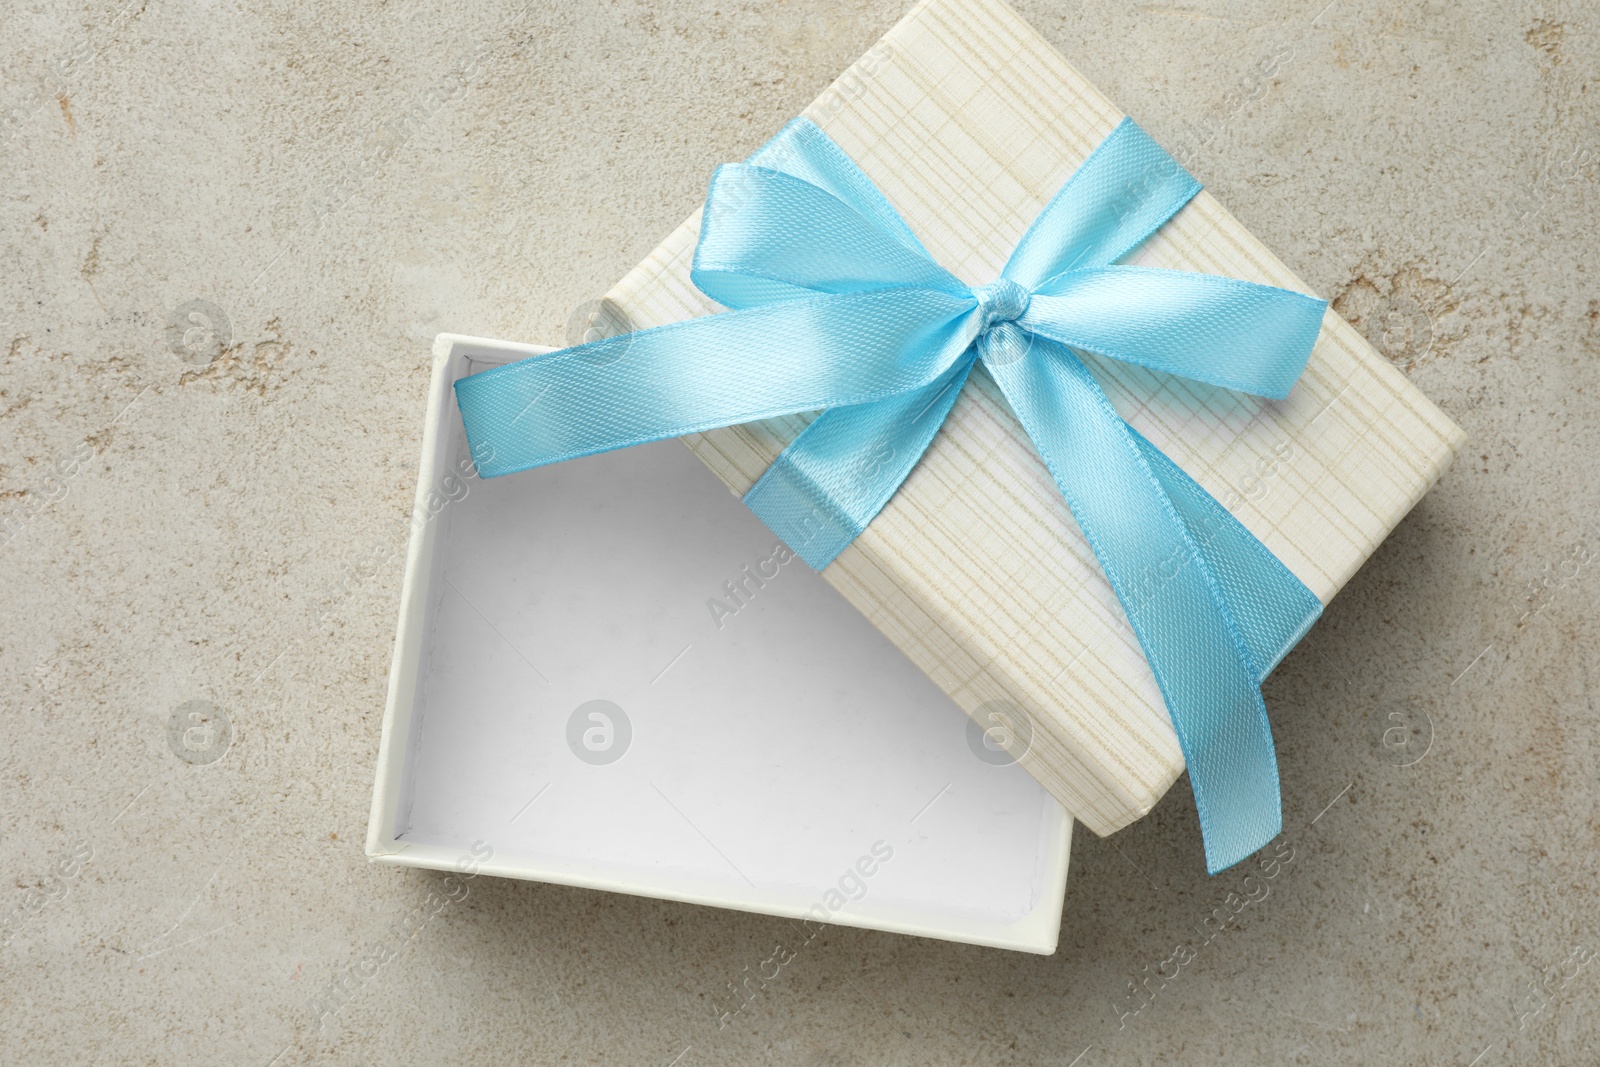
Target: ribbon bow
837 306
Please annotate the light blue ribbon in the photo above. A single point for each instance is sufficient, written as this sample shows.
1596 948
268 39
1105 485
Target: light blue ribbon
837 306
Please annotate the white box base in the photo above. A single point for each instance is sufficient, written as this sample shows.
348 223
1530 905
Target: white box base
776 752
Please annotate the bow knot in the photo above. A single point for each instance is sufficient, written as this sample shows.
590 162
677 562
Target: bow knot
1001 301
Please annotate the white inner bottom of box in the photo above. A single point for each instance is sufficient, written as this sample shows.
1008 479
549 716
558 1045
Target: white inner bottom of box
772 747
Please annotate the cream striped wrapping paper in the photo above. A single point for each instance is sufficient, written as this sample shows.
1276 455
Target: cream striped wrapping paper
969 122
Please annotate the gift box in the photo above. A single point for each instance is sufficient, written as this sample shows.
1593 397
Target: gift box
969 122
564 707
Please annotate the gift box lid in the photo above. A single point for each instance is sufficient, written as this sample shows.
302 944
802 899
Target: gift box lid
969 122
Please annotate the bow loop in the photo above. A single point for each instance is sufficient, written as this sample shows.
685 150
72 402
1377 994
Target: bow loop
1252 338
751 252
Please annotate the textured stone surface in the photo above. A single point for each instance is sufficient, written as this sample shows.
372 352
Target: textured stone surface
342 184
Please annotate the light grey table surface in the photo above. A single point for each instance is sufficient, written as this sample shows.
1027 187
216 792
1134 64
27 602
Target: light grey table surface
178 504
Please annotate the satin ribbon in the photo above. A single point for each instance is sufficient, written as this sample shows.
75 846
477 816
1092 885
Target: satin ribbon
837 306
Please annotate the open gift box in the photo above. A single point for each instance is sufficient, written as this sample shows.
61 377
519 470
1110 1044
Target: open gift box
968 123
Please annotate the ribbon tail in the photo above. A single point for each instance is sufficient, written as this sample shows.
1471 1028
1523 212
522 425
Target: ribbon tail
832 480
1124 192
1272 608
1175 605
706 373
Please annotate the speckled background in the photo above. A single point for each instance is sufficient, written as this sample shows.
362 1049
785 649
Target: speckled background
231 231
